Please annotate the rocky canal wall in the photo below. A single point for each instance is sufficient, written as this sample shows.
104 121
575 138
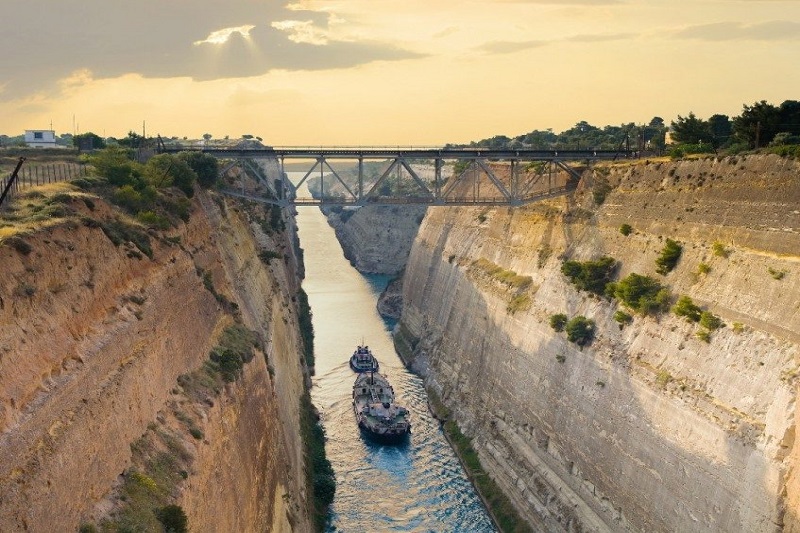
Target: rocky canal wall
649 427
96 345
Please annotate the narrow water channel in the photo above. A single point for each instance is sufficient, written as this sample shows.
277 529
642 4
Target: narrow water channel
419 486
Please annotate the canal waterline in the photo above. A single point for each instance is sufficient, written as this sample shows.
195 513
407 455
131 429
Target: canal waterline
418 486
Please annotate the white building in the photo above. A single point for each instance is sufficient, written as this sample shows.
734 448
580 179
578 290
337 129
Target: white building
40 138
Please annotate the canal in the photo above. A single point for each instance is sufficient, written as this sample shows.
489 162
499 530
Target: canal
419 486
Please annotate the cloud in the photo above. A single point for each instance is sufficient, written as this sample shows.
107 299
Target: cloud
445 32
565 2
775 30
601 37
111 39
222 36
302 31
508 47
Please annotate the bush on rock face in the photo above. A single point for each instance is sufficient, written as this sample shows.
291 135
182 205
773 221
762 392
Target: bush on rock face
669 257
580 330
591 276
642 294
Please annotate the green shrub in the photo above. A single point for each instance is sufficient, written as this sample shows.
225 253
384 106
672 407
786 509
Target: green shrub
580 330
669 257
591 276
268 255
738 327
120 232
306 326
600 191
173 518
776 274
704 335
320 478
558 321
663 378
685 307
710 321
642 294
235 348
205 166
703 268
719 250
626 229
623 318
153 220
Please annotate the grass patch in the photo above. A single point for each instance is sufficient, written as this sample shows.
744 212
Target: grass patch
320 477
520 302
306 327
120 232
507 277
500 507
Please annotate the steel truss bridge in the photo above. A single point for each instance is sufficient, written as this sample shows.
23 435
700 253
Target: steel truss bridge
527 175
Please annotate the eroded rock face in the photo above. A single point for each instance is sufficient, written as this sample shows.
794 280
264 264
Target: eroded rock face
377 239
648 428
94 338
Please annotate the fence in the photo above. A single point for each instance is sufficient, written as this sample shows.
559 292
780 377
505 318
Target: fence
32 175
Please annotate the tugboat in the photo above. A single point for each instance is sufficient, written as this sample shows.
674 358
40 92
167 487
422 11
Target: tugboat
376 413
362 360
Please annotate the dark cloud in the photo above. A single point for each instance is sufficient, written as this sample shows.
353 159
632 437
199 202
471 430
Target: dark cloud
45 41
776 30
508 47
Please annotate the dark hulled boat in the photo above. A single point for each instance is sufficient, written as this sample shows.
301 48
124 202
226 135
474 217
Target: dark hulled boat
375 410
362 360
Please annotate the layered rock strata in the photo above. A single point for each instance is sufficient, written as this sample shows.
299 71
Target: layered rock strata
648 428
93 341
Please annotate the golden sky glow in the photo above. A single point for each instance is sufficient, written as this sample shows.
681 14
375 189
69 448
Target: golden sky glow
377 72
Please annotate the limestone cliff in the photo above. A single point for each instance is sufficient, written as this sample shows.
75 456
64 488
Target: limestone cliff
94 339
377 239
648 428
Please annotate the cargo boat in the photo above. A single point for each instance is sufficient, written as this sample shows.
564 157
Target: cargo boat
376 413
362 360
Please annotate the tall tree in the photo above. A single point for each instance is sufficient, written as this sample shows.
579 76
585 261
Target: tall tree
757 124
690 129
720 128
789 117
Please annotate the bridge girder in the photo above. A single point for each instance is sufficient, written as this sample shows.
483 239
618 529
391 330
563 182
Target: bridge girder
477 184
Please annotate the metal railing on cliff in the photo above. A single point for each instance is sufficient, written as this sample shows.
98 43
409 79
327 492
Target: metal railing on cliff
33 175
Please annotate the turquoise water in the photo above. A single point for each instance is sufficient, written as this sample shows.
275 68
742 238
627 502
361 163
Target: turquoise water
418 486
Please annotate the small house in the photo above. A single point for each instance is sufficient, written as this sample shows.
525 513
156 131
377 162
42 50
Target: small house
40 138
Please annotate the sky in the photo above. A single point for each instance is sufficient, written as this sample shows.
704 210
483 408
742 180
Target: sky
386 72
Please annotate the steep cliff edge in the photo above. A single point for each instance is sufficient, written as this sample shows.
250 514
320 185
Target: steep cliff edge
98 346
376 239
649 428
